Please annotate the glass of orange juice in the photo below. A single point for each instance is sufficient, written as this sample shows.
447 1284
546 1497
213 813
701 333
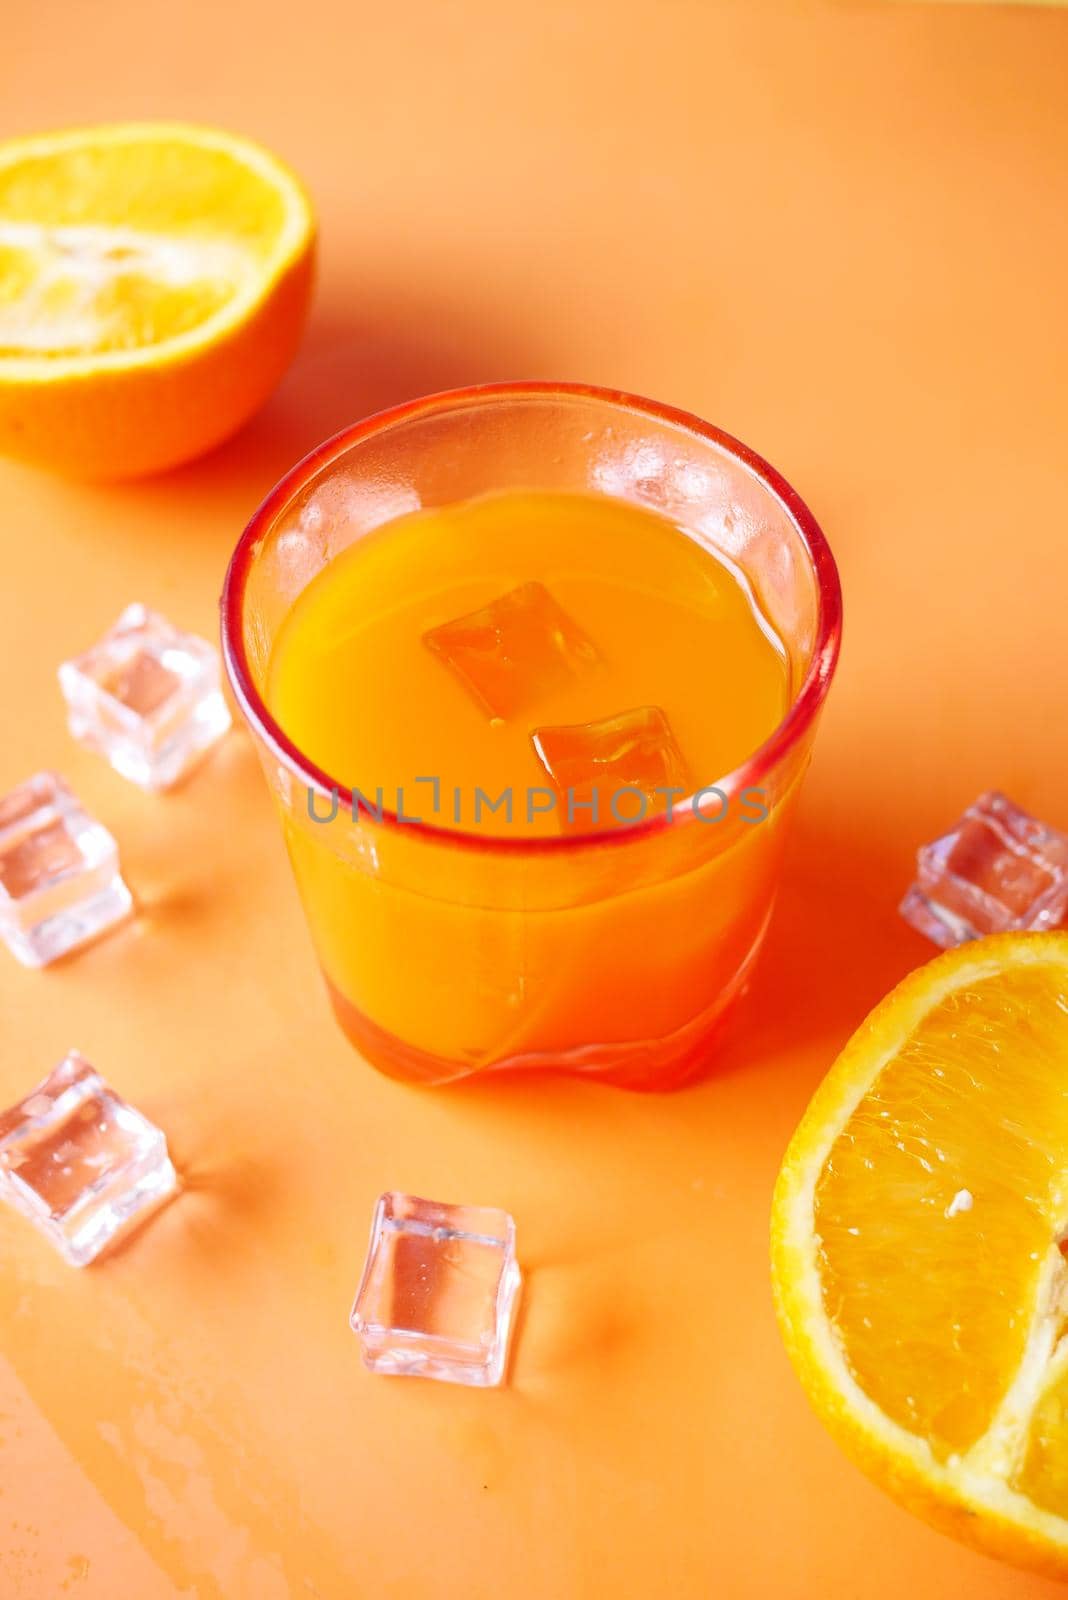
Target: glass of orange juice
534 672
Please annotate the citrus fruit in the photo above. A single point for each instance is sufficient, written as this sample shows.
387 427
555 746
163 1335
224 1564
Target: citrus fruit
154 280
916 1246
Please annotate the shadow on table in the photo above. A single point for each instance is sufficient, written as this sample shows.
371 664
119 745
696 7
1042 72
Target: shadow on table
836 945
349 366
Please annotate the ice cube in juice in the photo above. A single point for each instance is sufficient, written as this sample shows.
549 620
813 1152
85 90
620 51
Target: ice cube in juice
618 770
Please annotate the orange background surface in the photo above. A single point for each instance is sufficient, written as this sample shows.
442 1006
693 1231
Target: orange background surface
838 230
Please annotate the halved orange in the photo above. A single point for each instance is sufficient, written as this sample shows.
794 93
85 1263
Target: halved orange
916 1246
154 280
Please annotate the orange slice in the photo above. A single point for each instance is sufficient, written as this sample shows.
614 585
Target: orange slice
154 280
916 1256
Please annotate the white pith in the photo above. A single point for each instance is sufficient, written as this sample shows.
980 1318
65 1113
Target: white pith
179 260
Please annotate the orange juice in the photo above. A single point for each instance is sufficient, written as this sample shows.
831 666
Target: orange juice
534 672
359 683
521 667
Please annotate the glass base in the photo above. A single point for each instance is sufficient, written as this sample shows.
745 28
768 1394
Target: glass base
646 1066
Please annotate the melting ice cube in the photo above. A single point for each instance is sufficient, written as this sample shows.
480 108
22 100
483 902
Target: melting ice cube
79 1162
615 771
438 1291
60 883
520 646
147 697
998 869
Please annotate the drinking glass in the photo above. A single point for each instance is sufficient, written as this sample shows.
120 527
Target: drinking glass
613 956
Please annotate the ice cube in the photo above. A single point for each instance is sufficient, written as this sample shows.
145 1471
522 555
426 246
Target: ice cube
79 1162
60 883
520 646
607 773
147 697
998 869
438 1291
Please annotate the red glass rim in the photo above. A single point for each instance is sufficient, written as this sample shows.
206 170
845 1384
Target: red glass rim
748 774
